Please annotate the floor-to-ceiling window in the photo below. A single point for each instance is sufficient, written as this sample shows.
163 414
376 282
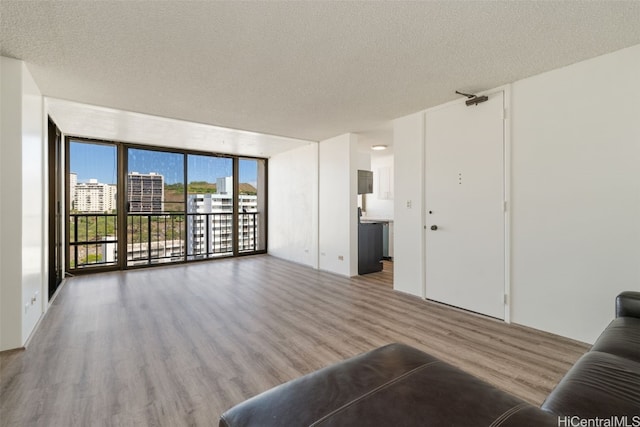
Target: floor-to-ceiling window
210 206
252 218
92 188
175 205
155 207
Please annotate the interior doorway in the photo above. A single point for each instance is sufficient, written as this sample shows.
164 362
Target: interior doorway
376 207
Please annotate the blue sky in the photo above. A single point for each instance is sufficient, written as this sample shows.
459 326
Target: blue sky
93 161
99 161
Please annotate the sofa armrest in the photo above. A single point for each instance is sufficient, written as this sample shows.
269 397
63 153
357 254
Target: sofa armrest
628 304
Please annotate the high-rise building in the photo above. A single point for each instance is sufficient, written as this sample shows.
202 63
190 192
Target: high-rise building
224 185
214 224
248 222
145 192
93 196
73 181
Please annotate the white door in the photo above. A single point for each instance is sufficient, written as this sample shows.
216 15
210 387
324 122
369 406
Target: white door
465 255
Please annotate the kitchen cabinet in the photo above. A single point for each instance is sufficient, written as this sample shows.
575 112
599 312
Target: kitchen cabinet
369 247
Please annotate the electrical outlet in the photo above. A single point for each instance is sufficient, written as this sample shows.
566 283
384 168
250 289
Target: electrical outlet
409 204
340 258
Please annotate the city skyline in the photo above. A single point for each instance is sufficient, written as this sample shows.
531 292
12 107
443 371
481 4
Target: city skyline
98 161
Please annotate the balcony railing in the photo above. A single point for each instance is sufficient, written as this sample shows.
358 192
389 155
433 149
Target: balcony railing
89 238
248 232
154 238
211 234
159 237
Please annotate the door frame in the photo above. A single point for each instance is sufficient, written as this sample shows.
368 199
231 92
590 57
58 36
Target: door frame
55 217
506 123
67 204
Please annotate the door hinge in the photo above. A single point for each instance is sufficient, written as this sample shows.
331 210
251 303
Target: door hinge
504 206
506 299
505 114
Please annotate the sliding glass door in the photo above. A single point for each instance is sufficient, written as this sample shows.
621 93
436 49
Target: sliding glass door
155 207
252 224
210 206
92 205
132 206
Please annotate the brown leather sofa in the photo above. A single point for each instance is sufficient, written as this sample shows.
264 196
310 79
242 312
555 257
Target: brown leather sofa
397 385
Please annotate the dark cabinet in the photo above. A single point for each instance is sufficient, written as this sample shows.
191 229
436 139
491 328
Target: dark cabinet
369 247
365 182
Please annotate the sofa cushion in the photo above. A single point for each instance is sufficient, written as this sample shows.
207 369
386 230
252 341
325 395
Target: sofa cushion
599 385
621 338
392 385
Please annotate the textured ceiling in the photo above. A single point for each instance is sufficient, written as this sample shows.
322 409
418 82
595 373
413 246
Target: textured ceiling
308 70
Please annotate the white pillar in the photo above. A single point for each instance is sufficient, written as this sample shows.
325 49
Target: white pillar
22 207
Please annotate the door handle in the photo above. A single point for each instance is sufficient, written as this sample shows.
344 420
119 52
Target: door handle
434 227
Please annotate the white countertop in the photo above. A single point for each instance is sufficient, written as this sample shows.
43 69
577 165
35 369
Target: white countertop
374 219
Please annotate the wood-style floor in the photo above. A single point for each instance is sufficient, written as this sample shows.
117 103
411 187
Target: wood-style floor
178 345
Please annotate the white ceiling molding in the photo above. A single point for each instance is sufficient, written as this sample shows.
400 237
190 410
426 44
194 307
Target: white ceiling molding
109 124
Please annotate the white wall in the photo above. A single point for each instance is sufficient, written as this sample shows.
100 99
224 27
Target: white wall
576 194
11 190
377 206
363 161
293 205
22 183
338 218
33 184
408 236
